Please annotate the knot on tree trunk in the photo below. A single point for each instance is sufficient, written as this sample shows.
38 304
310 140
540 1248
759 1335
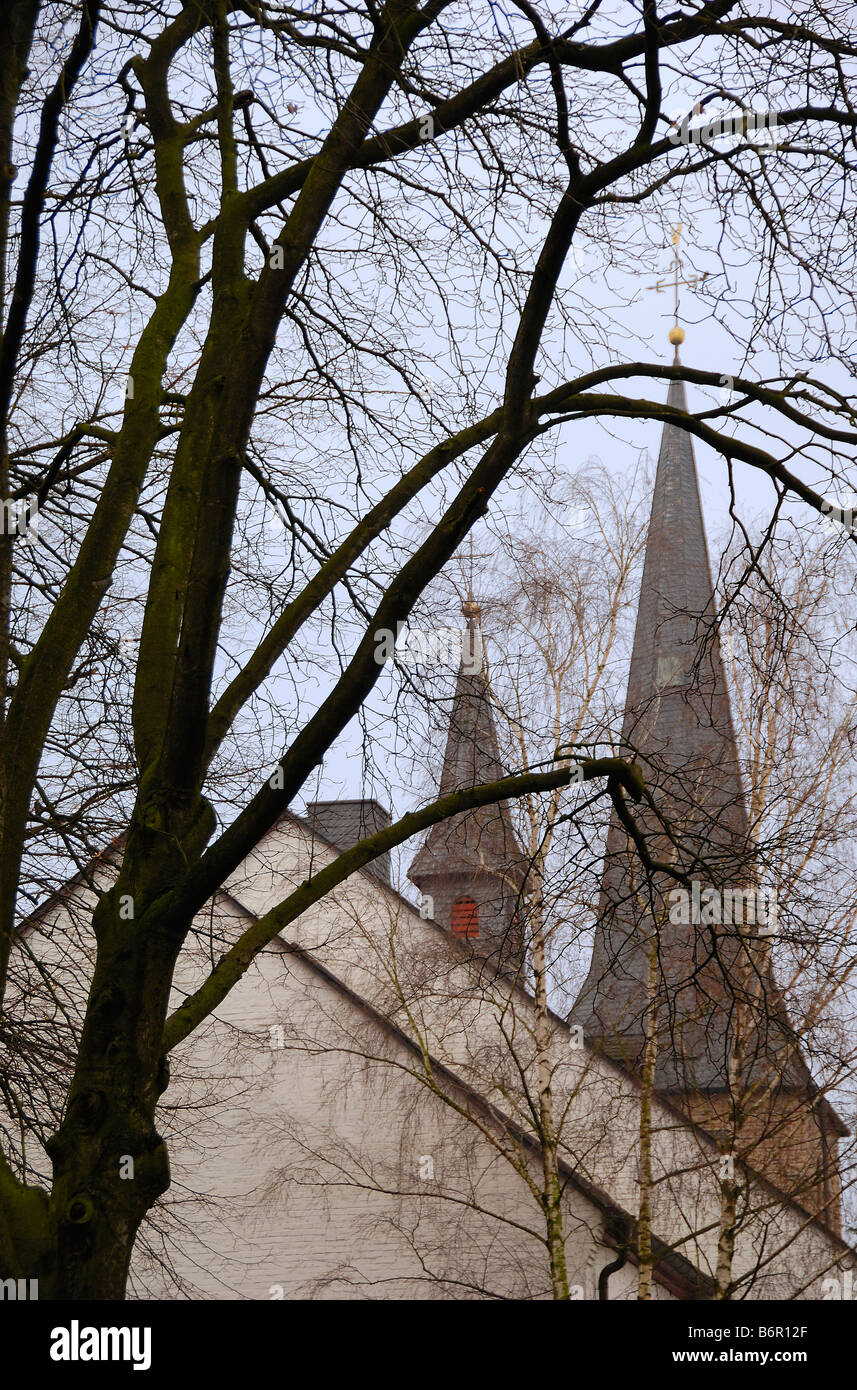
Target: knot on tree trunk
90 1108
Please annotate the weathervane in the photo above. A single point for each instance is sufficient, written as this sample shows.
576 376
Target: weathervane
469 603
676 279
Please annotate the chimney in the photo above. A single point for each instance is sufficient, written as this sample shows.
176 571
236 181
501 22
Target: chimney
343 823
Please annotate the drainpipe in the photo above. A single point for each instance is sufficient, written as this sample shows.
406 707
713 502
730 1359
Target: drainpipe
621 1234
827 1216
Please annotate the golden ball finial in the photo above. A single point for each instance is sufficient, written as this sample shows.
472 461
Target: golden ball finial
471 609
676 335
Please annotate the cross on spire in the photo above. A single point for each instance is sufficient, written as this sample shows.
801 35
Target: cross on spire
677 279
468 573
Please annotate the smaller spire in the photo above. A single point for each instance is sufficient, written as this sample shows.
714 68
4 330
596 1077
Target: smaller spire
474 858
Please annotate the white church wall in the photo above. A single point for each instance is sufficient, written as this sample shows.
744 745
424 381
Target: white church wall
338 1174
296 1168
382 949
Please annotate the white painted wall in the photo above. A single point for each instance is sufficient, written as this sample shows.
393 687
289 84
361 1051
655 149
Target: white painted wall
300 1170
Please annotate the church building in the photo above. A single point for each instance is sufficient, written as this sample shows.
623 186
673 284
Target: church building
361 1118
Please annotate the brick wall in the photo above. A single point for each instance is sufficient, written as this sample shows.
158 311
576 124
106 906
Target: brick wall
782 1138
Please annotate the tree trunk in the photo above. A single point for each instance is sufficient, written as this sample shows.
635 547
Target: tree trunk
644 1211
551 1188
109 1163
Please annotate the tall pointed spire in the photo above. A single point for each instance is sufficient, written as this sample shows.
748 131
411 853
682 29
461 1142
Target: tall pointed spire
687 973
471 867
677 709
678 723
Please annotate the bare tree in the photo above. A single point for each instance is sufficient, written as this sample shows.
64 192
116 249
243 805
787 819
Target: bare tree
233 238
531 1118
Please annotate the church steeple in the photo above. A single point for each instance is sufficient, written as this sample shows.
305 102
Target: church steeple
678 723
695 973
471 867
677 711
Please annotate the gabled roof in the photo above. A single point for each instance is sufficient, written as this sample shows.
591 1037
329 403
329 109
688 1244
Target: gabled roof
673 1270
